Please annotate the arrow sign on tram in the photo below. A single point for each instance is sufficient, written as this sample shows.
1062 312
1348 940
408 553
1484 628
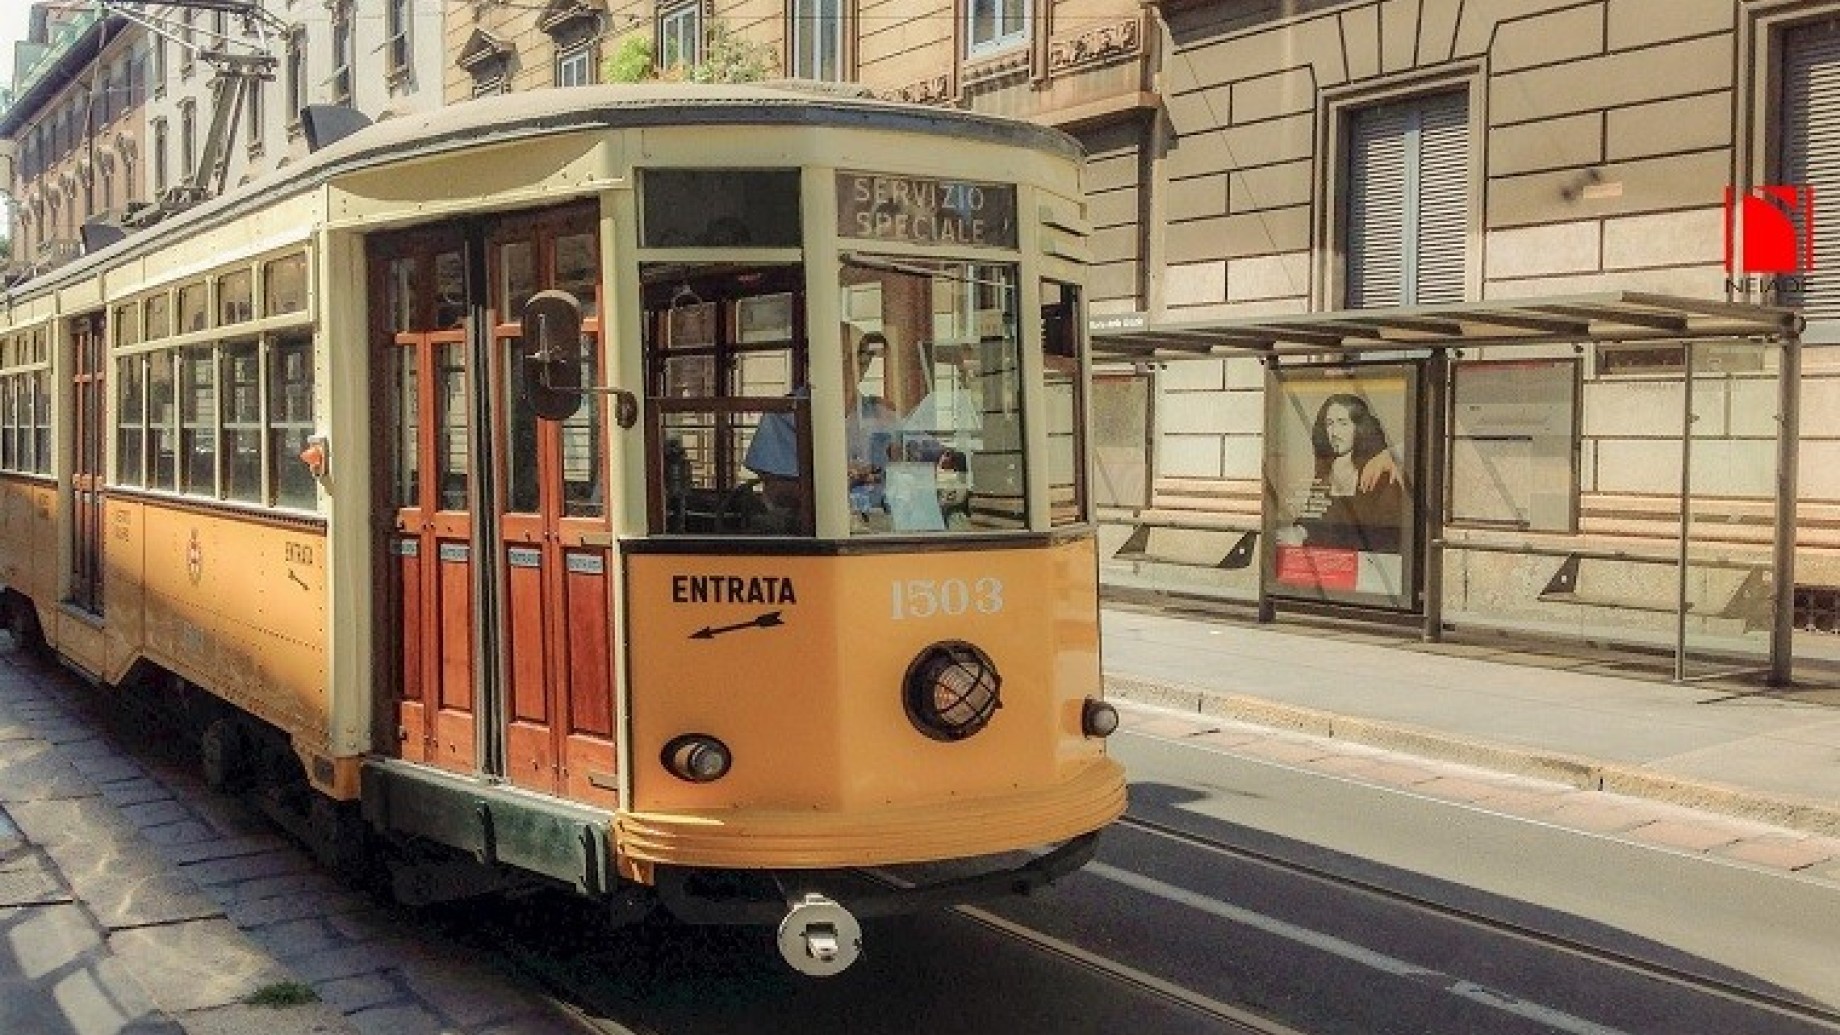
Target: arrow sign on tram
766 621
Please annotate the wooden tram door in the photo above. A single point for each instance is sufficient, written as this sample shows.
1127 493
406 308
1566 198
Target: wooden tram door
87 476
546 662
554 532
420 280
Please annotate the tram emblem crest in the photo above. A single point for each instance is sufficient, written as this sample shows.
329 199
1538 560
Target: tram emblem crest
194 559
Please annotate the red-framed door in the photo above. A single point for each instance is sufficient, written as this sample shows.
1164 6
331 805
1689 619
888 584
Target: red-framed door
422 349
553 527
87 476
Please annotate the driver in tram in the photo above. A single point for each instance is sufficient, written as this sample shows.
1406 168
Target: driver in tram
869 426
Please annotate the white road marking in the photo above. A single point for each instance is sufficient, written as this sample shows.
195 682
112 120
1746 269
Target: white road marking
1495 999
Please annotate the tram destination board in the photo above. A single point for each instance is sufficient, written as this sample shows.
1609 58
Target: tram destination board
924 210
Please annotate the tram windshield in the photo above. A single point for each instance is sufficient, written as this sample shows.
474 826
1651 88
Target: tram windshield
933 397
931 392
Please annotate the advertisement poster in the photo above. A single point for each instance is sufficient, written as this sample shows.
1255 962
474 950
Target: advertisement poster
1341 485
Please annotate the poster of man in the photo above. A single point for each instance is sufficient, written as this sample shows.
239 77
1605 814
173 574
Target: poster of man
1339 485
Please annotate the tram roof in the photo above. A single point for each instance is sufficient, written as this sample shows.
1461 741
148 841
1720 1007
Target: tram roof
622 106
1613 317
508 118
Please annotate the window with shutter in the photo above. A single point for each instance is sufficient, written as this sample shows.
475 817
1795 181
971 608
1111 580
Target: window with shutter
1810 117
1408 202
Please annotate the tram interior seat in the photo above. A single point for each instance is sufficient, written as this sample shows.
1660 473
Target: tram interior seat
742 510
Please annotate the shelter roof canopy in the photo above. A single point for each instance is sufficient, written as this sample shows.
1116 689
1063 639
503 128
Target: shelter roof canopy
1612 317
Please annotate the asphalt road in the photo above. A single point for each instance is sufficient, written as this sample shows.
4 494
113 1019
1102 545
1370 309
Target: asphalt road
1175 916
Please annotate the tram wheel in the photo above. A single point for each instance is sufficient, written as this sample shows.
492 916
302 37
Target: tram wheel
21 619
338 837
224 755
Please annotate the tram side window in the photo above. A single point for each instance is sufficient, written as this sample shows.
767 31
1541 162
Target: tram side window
9 423
41 435
235 298
242 421
163 435
198 420
284 286
131 420
194 312
159 316
290 421
730 425
25 407
1065 394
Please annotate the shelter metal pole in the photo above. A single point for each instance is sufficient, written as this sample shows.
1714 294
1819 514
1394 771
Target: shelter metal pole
1268 608
1430 492
1788 459
1686 518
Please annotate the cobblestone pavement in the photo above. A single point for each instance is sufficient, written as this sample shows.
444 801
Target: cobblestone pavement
1806 855
135 901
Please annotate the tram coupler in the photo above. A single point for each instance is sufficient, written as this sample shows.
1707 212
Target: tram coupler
819 938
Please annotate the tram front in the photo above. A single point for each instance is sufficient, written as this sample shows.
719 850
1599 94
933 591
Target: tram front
861 628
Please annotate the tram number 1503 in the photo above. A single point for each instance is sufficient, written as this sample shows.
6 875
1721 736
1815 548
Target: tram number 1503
926 598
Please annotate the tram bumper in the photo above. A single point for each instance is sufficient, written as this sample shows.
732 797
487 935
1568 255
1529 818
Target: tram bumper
678 889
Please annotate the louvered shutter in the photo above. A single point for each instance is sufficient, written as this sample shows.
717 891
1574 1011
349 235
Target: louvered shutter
1811 153
1408 202
1443 199
1377 206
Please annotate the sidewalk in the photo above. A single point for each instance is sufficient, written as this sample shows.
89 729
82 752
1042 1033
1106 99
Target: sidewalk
135 902
98 931
1490 704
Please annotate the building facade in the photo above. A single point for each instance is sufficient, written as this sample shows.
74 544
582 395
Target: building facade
1309 157
381 57
73 118
110 112
1064 63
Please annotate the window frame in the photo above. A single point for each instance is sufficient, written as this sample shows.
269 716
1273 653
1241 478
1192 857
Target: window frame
1004 36
1334 120
814 31
681 24
188 139
296 76
399 40
344 52
161 133
582 58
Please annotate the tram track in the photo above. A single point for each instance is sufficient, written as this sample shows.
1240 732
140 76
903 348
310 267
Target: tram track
1232 1018
1628 963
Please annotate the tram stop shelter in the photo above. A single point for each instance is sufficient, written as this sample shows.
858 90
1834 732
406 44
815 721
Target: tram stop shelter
1481 408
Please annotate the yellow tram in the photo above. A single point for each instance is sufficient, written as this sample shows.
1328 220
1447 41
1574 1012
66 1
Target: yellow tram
644 487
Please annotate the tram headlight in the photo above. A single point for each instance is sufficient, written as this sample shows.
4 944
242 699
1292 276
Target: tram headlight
951 690
1098 719
697 757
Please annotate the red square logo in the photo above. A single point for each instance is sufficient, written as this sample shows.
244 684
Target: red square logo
1770 229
